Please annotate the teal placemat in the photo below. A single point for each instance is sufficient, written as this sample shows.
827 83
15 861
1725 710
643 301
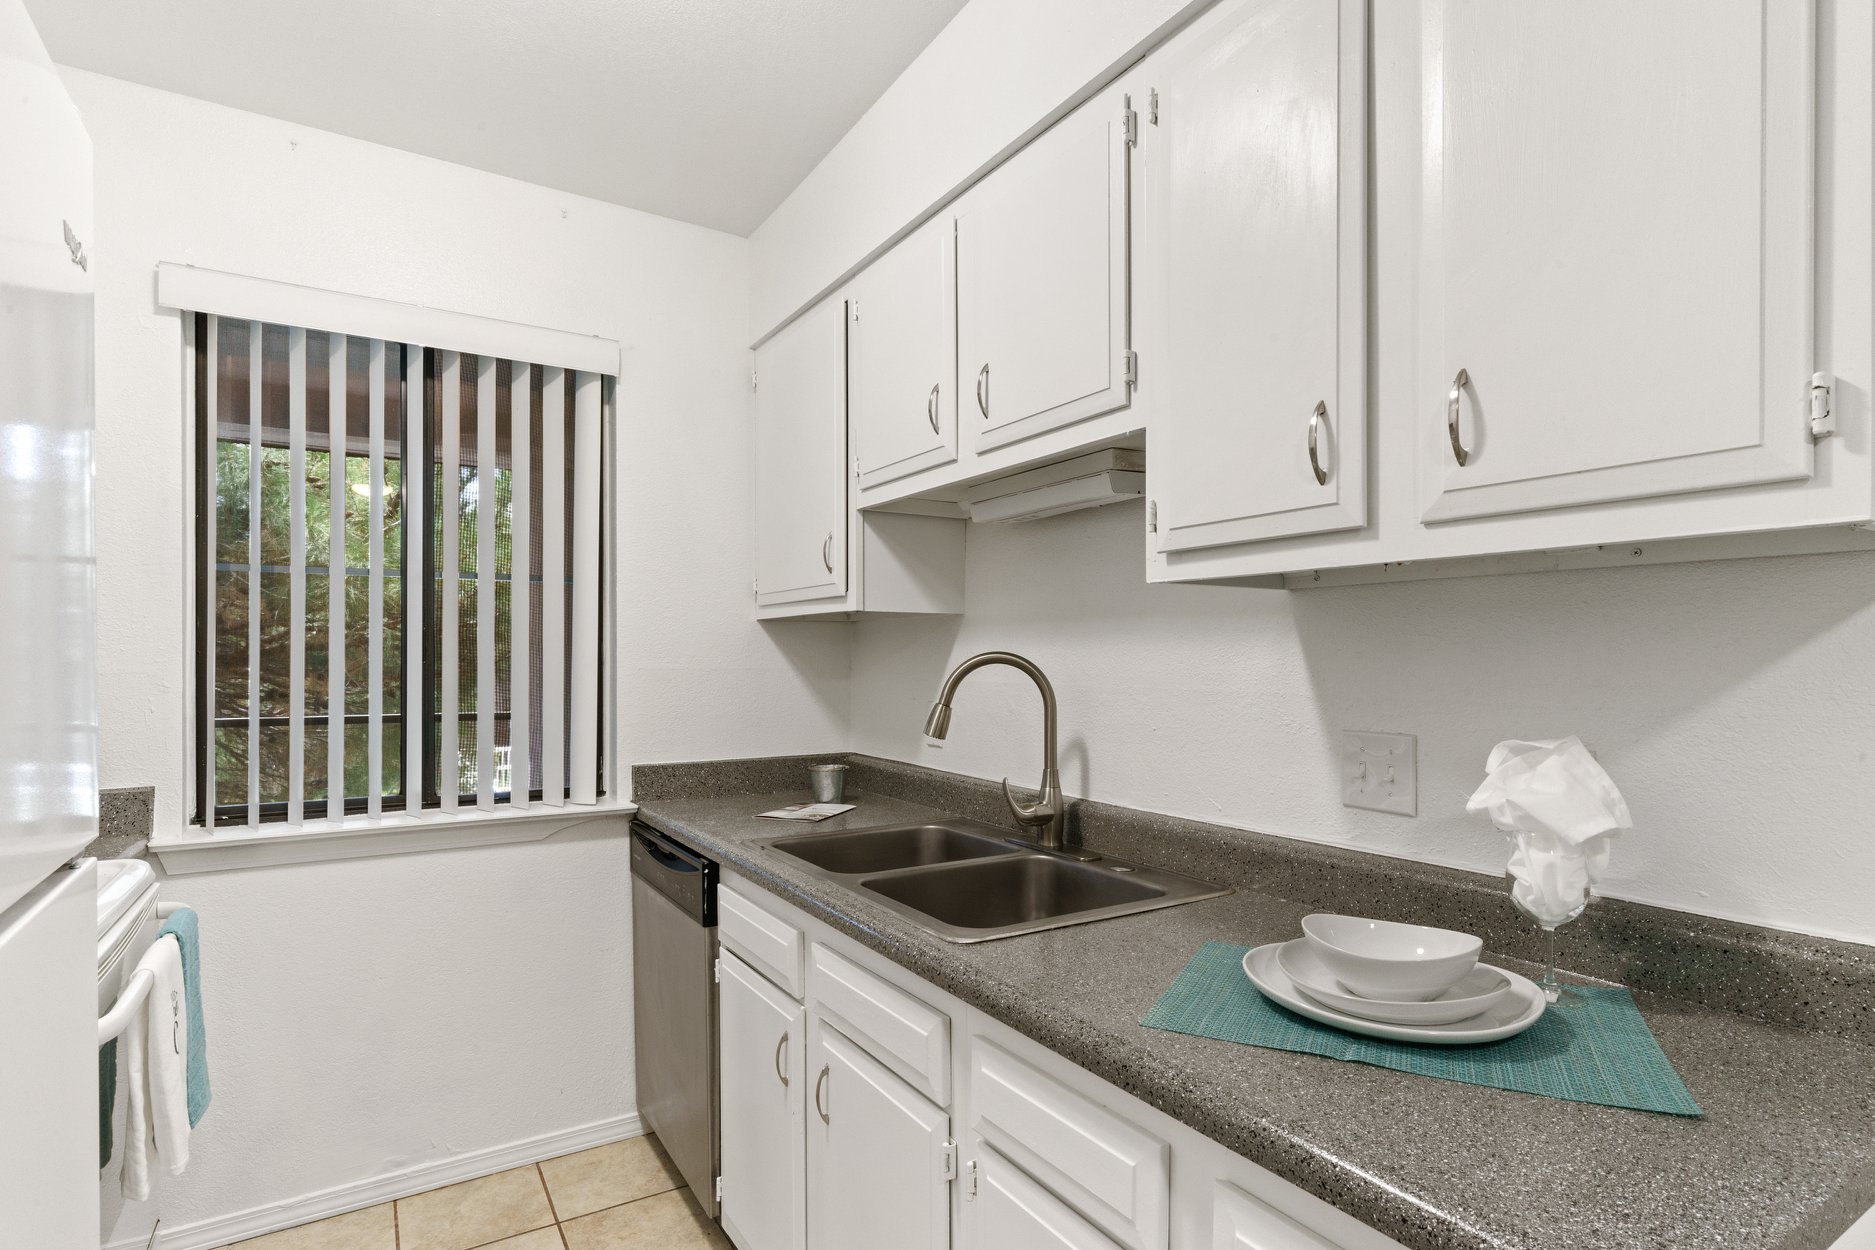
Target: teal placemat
1598 1049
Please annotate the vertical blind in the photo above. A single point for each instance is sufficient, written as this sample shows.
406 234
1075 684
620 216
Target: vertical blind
400 577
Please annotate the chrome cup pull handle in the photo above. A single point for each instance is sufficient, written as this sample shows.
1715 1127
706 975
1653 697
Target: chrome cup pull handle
931 407
819 1108
1315 430
983 390
826 551
779 1047
1460 452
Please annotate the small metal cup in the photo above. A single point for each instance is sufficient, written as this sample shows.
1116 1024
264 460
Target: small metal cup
829 782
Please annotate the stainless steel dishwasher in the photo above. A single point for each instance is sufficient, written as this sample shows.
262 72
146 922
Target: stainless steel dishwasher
674 1003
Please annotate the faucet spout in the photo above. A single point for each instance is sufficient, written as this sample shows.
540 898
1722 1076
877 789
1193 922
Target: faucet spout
1048 814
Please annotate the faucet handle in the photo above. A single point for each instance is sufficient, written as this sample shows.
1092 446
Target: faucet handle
1047 805
1027 815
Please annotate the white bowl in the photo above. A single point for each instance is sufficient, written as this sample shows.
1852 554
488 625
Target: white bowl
1382 959
1476 992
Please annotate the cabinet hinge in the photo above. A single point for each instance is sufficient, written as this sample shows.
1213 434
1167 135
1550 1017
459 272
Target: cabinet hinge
970 1180
716 975
753 381
1130 120
855 466
1152 516
719 1189
1132 368
1822 406
1152 106
949 1162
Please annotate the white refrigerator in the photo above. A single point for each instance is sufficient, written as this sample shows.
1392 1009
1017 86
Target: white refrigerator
48 698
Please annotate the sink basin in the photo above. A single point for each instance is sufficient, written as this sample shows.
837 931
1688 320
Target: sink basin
966 881
896 846
995 894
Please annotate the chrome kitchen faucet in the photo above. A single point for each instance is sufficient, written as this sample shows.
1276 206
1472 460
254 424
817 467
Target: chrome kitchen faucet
1048 814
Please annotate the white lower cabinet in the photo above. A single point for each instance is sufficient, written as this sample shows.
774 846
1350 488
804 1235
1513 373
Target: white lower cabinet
880 1157
763 1059
1240 1222
846 1142
1010 1211
1112 1171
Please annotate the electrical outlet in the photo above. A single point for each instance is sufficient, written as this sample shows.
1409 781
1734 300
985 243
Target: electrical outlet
1380 772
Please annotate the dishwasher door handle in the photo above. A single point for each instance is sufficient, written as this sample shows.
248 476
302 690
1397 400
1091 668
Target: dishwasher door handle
819 1085
664 857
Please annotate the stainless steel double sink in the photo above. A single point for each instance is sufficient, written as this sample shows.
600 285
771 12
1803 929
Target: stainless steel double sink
966 881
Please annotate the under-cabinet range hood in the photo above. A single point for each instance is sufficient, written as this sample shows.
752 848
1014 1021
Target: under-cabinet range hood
1091 481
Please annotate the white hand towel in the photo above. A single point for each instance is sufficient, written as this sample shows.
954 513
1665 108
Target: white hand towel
157 1125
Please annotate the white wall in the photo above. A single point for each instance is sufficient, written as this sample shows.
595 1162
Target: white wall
990 77
1730 701
377 1015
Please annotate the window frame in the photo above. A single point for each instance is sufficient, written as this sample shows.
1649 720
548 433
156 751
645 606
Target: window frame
194 294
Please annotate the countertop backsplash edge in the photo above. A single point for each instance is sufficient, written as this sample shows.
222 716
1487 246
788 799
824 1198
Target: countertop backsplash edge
1818 984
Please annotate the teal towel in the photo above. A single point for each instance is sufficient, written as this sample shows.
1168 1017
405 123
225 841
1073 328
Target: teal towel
107 1098
187 932
1596 1049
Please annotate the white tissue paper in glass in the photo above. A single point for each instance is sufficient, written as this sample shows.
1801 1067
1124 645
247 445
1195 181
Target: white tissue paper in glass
1562 810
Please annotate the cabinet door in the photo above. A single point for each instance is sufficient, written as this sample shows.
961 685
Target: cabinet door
902 358
1616 253
1240 1222
1042 282
1116 1174
763 1056
879 1155
1012 1212
801 504
1259 222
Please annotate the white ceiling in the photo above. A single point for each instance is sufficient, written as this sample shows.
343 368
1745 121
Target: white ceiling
708 111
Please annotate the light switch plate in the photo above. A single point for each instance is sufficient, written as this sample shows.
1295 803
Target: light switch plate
1380 772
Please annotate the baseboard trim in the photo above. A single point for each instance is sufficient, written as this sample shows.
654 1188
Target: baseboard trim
224 1230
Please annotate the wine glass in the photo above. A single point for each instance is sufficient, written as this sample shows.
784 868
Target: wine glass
1553 990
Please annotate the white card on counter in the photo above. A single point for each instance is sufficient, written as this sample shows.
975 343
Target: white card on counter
807 811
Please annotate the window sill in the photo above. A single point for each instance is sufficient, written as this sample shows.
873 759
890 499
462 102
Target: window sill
196 851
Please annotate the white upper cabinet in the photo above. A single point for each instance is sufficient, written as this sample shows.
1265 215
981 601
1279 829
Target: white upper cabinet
1042 281
1257 214
801 508
902 358
816 556
1615 270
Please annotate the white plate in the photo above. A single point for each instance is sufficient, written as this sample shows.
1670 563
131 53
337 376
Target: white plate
1479 990
1514 1013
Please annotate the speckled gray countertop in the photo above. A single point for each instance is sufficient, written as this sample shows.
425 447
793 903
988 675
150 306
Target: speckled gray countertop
1783 1160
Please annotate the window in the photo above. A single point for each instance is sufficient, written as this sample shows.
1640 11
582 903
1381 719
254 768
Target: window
398 591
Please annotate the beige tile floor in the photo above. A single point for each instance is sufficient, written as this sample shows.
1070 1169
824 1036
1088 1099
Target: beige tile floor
625 1196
